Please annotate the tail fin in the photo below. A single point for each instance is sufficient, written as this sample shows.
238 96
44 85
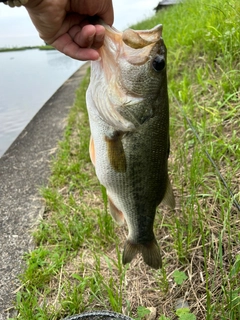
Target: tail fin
150 252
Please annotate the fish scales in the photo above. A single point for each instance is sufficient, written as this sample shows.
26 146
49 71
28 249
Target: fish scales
127 103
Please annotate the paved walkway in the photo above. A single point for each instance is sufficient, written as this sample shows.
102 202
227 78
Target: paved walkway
23 169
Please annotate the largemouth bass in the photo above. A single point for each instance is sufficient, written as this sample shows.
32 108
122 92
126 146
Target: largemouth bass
127 101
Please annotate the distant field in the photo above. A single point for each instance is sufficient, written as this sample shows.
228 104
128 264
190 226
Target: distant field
27 48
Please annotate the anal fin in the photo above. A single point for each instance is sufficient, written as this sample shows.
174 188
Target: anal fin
92 151
115 212
169 199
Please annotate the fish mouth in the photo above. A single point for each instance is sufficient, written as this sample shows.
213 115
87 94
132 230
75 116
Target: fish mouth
133 45
138 39
120 52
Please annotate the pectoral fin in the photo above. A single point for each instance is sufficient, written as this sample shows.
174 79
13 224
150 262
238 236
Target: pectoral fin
116 153
168 199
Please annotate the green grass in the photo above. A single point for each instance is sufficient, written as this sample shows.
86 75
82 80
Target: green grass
76 265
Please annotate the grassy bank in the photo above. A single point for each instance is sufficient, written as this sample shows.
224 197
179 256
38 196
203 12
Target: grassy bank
76 265
46 47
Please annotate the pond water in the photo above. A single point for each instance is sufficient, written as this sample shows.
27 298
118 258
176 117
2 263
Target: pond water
27 80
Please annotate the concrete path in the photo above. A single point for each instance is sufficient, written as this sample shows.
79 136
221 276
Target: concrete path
23 169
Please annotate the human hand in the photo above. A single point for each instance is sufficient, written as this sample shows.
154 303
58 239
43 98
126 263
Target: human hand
65 25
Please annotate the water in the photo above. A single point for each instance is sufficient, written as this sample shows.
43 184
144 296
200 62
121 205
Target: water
27 80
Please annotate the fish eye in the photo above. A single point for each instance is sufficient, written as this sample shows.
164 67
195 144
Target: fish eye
158 63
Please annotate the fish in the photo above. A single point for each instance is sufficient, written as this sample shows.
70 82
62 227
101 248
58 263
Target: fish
128 110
